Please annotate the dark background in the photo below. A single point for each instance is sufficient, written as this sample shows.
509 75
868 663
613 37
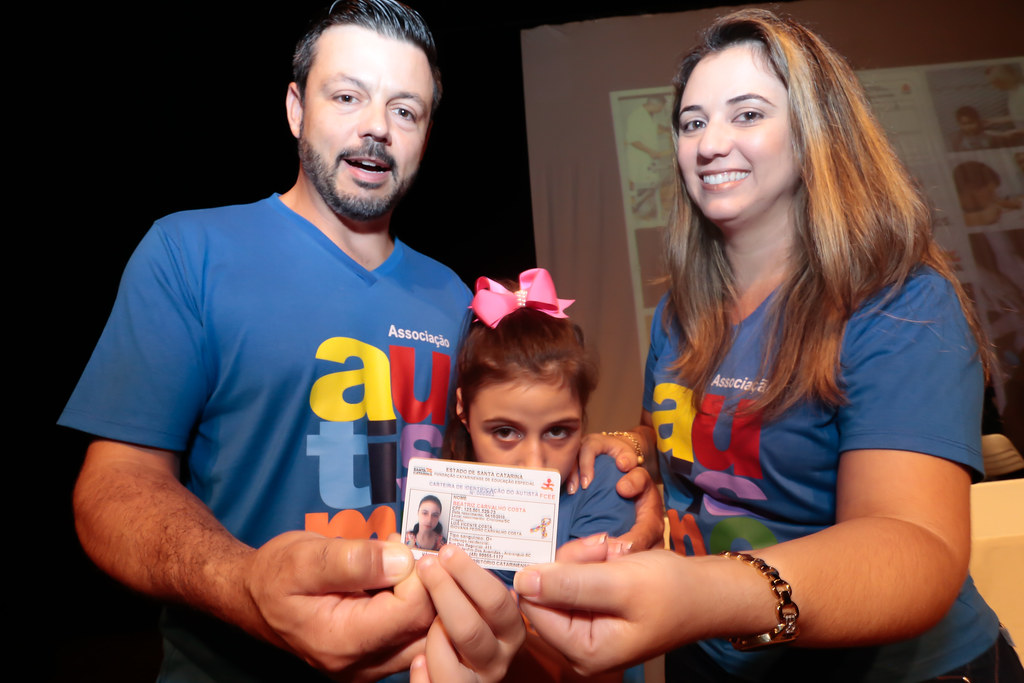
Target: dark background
125 115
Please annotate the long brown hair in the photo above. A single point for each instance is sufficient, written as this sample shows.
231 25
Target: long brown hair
526 346
861 225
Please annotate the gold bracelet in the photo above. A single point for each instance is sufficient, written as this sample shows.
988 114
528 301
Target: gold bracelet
787 611
636 444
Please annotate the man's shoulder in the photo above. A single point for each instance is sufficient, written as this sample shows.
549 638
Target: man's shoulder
220 215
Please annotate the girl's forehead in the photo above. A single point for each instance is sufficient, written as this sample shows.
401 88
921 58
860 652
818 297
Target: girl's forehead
527 394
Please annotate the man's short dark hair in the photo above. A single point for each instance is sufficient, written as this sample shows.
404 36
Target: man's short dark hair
386 17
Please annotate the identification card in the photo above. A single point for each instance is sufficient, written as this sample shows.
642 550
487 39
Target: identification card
503 517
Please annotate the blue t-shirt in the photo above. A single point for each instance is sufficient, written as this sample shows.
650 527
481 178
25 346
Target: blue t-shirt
287 375
913 382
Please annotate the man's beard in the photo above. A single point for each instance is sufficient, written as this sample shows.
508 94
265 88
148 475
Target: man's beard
325 180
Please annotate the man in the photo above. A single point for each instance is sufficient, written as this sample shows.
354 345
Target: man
284 360
278 356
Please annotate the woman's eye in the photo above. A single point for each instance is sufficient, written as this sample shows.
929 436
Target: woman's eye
750 116
691 125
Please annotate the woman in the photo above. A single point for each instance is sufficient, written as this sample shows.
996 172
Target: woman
813 390
427 533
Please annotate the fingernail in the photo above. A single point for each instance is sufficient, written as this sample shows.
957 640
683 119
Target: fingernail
527 583
621 549
570 488
596 539
585 481
397 561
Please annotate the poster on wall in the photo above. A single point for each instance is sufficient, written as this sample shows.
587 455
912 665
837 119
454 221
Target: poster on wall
959 129
647 161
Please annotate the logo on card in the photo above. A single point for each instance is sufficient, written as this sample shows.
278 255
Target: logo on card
419 469
548 485
542 527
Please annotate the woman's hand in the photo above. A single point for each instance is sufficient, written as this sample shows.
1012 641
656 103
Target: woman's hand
613 614
478 628
595 444
648 530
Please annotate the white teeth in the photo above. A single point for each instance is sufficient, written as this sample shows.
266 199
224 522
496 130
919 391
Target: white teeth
719 178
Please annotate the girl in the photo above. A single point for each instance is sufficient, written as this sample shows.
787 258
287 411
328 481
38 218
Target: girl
428 533
524 378
813 390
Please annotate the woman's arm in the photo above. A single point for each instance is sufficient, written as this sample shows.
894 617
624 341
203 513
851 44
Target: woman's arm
887 570
649 529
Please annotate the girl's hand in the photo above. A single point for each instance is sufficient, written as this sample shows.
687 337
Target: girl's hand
478 628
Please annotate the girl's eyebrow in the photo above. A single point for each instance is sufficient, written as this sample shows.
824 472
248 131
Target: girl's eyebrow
501 420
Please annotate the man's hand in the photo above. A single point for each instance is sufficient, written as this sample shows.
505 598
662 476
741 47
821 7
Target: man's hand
311 594
300 591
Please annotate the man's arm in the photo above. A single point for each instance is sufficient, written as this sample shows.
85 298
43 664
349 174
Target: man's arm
300 591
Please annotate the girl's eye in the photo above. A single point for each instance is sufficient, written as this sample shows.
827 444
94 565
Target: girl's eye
691 125
506 434
559 432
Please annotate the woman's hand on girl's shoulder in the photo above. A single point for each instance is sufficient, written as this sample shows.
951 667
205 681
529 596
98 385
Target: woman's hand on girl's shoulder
478 628
594 445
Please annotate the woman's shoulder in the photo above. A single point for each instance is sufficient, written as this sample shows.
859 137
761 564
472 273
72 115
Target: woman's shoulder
924 297
660 323
924 312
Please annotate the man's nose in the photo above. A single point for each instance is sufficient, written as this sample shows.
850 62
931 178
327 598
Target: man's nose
374 123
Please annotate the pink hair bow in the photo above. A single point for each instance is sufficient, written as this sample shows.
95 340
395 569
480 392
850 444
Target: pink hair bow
493 302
